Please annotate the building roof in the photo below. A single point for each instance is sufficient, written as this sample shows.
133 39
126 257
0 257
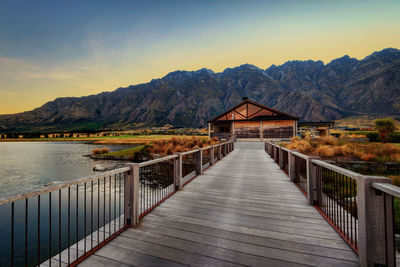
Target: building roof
248 110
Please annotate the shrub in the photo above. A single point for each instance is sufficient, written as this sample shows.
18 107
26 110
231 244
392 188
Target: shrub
325 151
384 127
394 137
337 135
96 151
373 136
104 150
328 140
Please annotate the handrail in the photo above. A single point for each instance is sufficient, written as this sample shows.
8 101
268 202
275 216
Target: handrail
387 188
189 152
300 155
335 168
59 186
154 161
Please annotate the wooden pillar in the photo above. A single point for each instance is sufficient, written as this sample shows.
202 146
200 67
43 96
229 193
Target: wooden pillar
178 171
280 151
131 197
291 166
211 155
375 223
312 190
198 162
261 131
219 152
209 130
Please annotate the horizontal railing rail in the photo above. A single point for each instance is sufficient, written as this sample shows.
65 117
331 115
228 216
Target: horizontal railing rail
45 223
364 210
63 224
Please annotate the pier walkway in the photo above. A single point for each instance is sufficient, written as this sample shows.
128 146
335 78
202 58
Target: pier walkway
242 211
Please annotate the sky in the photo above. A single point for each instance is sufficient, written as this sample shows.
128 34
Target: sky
51 49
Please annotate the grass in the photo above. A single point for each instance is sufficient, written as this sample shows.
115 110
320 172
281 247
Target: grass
163 147
122 139
332 147
125 152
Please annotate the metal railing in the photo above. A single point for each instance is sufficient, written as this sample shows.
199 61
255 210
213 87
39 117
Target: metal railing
337 199
300 171
364 210
65 223
45 223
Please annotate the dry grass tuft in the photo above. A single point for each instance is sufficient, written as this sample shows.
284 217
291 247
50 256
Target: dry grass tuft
328 147
325 151
102 150
176 144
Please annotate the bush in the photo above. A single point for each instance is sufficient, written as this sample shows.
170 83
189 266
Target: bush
337 135
373 137
392 138
385 127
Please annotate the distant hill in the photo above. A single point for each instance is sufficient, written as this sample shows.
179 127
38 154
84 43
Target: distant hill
307 89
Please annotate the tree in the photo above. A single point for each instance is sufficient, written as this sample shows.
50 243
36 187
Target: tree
384 127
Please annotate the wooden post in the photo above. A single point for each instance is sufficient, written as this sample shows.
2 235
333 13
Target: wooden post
198 162
131 198
276 153
211 151
280 151
312 190
178 171
261 131
375 223
209 130
291 166
219 152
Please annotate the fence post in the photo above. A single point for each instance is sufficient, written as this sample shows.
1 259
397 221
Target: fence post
312 190
131 198
375 223
219 152
276 153
178 171
280 151
211 151
291 166
198 161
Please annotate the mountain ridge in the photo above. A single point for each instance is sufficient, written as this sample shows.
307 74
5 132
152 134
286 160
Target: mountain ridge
307 89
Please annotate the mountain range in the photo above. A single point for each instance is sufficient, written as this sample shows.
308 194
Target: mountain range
311 90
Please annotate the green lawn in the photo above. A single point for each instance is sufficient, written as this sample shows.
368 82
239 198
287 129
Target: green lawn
125 152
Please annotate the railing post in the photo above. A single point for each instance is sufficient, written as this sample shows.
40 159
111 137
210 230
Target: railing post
198 161
312 190
211 151
375 223
178 171
275 153
280 151
291 166
219 152
131 197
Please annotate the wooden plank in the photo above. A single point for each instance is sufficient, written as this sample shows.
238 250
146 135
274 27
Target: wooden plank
242 211
242 253
178 229
217 252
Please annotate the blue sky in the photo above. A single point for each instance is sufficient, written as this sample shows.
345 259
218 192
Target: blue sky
50 49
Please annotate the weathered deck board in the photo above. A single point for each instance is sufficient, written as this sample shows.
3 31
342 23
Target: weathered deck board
242 211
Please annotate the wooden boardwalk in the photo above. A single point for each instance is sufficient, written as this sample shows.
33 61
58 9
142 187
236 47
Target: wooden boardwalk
242 211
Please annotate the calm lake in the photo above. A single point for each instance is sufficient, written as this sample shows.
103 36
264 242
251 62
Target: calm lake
28 165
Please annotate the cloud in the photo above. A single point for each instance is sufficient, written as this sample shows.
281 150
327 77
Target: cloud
17 69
